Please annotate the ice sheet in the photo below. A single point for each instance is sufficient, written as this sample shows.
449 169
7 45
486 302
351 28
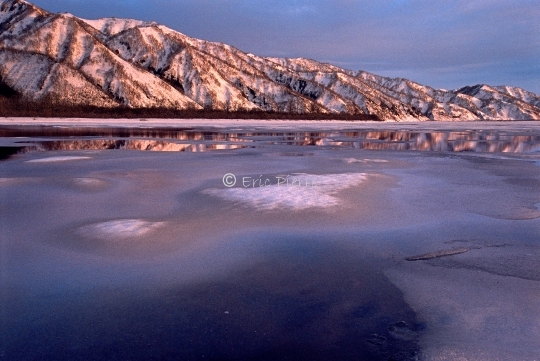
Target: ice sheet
472 315
275 124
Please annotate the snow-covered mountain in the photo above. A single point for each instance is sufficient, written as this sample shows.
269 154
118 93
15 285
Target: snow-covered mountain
113 62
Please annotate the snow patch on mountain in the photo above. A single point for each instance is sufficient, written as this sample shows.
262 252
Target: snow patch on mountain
113 26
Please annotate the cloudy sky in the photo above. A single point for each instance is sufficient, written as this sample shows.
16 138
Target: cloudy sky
441 43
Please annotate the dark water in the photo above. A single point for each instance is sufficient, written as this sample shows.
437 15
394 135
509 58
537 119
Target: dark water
301 299
193 140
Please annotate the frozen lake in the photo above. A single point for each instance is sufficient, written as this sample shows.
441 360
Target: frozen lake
270 241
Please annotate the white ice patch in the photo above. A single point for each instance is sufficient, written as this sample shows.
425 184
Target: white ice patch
56 159
119 229
16 181
354 160
309 191
88 182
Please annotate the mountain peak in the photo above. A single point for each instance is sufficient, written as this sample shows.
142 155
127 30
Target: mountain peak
113 26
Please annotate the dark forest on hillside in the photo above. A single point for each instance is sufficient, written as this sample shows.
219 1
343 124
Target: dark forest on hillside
12 105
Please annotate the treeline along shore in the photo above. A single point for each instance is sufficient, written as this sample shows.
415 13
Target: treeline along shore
12 105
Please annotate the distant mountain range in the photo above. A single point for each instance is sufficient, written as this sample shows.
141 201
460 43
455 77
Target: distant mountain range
122 62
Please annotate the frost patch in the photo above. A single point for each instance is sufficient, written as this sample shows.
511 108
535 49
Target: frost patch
354 160
308 191
56 159
89 183
119 229
7 181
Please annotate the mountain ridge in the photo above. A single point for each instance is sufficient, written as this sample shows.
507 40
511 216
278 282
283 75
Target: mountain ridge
114 62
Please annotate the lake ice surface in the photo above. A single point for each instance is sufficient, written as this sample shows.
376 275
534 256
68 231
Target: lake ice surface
123 253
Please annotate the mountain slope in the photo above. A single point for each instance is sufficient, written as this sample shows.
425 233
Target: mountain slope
113 62
60 56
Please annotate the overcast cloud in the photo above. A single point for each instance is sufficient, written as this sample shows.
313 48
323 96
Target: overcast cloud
441 43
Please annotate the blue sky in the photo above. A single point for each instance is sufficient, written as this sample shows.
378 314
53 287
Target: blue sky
441 43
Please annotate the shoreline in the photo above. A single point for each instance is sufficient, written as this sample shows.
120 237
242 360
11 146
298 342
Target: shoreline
269 123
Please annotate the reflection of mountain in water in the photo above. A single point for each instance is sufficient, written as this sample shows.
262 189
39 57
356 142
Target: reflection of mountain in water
152 145
199 141
484 142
